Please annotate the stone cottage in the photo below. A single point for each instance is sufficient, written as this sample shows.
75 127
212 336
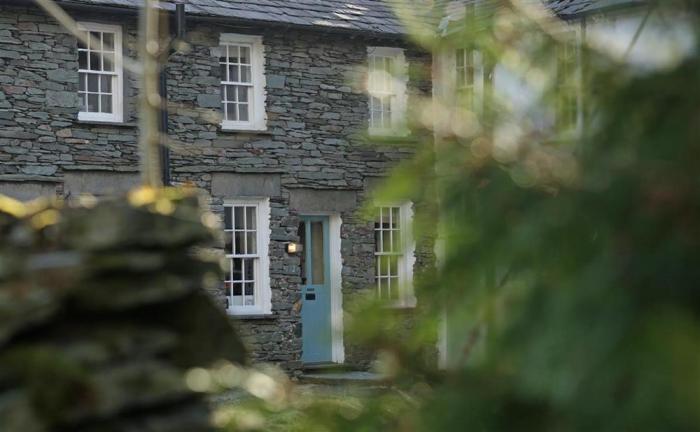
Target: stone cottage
286 113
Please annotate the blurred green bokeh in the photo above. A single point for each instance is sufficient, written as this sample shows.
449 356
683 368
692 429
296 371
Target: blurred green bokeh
567 291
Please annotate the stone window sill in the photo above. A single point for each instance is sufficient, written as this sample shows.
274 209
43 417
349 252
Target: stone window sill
30 178
407 304
246 131
393 139
253 316
110 124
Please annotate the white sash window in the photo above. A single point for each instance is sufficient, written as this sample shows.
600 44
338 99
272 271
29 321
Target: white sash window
386 85
242 61
247 237
469 68
100 74
394 253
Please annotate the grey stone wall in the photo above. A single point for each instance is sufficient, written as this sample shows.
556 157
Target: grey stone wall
315 140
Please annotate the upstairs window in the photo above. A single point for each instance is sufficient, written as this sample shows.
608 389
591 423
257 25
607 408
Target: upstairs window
247 234
470 79
386 85
100 73
394 255
242 82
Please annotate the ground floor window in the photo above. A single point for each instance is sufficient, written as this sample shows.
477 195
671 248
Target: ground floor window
247 236
394 254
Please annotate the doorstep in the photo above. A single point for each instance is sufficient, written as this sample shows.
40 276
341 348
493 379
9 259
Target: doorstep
341 377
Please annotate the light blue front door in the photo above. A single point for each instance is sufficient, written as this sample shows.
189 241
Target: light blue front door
315 290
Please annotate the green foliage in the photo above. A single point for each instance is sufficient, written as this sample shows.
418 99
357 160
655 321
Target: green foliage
569 278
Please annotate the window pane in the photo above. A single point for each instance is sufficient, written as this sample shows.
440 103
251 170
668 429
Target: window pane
94 61
394 288
93 81
377 239
106 83
82 59
237 290
250 218
383 288
228 242
245 55
386 217
393 262
317 256
233 53
395 217
231 112
237 269
83 102
106 104
224 72
249 298
386 241
243 112
108 41
95 41
245 74
227 275
251 242
230 93
239 243
108 62
81 44
238 217
460 78
233 73
249 269
93 101
243 93
396 241
249 290
228 224
460 58
82 82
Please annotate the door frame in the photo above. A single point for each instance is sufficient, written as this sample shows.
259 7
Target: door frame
335 257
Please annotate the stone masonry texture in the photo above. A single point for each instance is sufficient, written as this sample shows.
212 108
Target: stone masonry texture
315 140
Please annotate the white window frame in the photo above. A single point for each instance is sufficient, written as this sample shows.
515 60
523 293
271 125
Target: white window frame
476 87
117 114
406 260
397 93
257 119
262 290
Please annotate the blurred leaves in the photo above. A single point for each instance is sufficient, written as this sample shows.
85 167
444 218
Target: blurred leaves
568 280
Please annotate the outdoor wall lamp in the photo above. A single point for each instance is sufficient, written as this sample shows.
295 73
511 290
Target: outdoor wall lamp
293 248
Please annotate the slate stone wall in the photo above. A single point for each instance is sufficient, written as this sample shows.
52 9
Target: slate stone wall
315 140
